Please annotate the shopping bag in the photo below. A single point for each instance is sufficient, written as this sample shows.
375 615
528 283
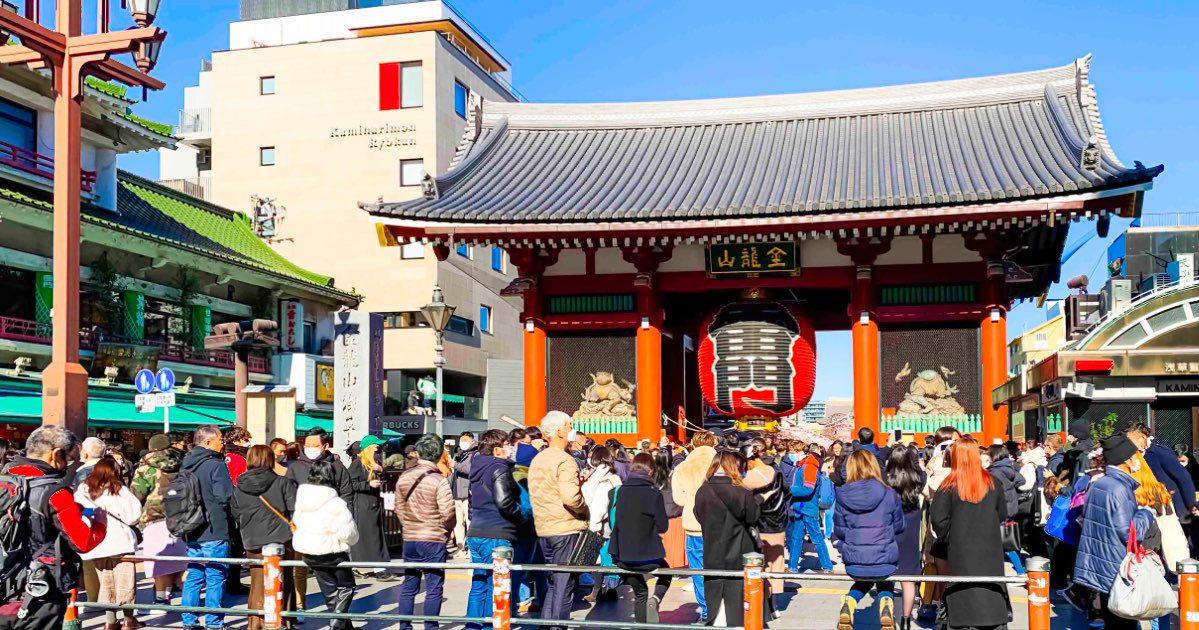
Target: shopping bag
1141 591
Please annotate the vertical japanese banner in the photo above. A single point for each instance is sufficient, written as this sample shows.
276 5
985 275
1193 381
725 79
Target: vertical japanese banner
43 296
135 314
291 314
201 316
358 377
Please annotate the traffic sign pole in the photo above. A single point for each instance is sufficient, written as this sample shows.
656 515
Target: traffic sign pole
166 420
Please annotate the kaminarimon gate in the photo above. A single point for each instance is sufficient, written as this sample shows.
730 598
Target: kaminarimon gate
680 255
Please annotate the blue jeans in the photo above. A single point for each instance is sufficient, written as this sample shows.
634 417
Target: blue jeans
695 560
210 576
418 551
827 515
808 524
479 602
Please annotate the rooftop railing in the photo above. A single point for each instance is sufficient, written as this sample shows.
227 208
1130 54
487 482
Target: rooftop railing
38 165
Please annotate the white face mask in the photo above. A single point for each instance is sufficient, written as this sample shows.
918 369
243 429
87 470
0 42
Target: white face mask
572 436
1134 465
312 453
466 445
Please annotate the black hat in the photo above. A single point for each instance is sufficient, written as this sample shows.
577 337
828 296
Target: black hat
1080 429
1118 449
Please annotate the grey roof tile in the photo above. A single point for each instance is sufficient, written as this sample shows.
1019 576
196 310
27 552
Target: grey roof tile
1009 137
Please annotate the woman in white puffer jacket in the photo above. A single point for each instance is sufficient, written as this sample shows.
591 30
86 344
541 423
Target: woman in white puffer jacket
325 530
103 495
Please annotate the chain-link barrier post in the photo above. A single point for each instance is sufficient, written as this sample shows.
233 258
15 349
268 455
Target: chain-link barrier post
1188 594
272 587
753 563
501 588
1038 593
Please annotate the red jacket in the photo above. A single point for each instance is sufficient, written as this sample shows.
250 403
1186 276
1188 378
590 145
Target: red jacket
66 514
236 465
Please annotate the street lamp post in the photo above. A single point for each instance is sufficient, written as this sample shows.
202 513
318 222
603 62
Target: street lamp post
438 314
73 56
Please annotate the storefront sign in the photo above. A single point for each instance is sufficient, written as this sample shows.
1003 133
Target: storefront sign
1178 387
406 425
1186 269
1180 367
324 383
291 337
753 259
380 137
126 357
135 314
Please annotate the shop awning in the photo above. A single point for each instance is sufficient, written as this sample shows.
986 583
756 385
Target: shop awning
21 403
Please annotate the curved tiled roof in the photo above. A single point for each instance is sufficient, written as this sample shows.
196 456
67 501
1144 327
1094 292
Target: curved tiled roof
1010 137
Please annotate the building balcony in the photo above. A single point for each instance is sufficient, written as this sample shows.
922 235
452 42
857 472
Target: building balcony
28 331
199 187
195 122
35 168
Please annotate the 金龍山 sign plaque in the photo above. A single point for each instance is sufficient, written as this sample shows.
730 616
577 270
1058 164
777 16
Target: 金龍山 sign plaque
753 259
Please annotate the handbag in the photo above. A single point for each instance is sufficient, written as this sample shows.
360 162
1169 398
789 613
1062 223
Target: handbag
586 550
1010 534
1174 540
1141 591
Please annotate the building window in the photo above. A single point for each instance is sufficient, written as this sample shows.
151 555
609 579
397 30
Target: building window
310 345
464 251
266 156
404 319
497 260
412 251
401 85
461 96
266 85
461 325
485 318
411 172
18 126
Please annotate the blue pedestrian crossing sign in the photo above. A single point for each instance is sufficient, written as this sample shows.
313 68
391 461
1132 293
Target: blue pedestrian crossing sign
145 381
165 380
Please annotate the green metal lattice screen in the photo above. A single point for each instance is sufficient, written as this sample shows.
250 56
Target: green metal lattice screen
573 304
918 294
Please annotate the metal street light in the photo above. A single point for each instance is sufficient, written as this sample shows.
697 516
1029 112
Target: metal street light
438 314
71 56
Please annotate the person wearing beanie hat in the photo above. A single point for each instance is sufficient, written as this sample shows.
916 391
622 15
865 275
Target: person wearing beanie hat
1109 512
1074 462
159 442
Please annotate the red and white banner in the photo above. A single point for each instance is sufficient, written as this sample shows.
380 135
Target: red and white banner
292 325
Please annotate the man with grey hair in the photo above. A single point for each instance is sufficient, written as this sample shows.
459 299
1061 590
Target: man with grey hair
90 453
559 512
50 451
207 464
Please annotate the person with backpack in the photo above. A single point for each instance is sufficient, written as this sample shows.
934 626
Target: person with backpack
494 516
639 519
805 513
325 530
263 503
150 482
425 506
42 548
773 498
197 510
104 490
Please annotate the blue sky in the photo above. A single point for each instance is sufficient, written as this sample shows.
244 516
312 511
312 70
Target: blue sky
620 50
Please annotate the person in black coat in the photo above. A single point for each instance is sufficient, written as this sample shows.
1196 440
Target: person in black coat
726 511
316 448
366 482
1008 480
966 512
636 544
1163 461
262 504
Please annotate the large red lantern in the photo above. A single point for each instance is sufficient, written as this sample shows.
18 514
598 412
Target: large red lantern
757 358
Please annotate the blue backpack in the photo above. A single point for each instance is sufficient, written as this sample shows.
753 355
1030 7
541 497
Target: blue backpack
825 495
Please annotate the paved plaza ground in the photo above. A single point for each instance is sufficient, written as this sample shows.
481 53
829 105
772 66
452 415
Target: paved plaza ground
813 606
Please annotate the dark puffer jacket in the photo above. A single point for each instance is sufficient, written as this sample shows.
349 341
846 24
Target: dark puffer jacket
1010 479
257 523
494 499
216 491
1110 508
867 521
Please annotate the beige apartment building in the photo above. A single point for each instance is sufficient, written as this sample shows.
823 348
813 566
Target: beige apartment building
311 111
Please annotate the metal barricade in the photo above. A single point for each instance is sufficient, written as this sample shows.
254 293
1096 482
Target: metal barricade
501 567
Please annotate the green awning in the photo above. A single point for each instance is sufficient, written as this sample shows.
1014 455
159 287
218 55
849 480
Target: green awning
21 403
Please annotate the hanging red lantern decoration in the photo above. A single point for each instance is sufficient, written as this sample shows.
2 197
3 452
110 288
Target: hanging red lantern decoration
757 358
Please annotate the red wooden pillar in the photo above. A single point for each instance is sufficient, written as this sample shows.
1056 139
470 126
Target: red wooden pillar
993 336
534 360
865 352
649 363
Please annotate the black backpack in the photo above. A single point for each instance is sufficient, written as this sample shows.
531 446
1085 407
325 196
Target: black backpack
17 496
184 505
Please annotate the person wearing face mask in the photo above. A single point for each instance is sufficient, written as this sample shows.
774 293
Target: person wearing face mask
237 443
316 449
460 485
279 450
494 516
50 452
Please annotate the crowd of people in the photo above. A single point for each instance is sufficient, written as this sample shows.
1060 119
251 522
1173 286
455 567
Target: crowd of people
887 514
